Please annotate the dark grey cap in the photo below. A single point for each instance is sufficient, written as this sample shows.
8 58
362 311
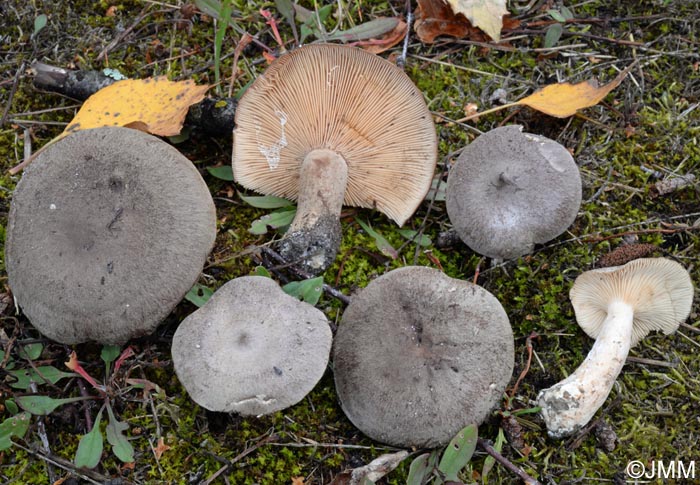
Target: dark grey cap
108 230
419 355
511 190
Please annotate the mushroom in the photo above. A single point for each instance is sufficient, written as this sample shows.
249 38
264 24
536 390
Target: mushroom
617 306
510 190
251 349
328 125
419 355
108 230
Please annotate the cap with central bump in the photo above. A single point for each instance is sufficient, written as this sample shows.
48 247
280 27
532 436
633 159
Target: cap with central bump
251 349
511 190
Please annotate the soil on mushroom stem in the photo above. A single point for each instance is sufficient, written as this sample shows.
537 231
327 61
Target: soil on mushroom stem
653 424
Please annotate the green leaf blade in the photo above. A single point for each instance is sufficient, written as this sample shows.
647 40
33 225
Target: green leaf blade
43 405
368 30
458 452
266 202
418 470
110 353
41 375
199 295
490 461
274 220
121 447
31 351
224 172
309 290
556 15
90 446
39 23
382 244
13 427
553 35
412 235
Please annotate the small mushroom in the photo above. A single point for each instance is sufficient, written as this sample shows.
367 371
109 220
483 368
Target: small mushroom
419 355
617 306
251 349
108 230
328 125
511 190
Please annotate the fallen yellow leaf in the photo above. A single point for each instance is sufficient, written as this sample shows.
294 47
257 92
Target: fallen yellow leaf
155 105
485 14
565 99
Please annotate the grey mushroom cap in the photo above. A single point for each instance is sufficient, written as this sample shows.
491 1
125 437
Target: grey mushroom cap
510 190
251 349
108 230
419 355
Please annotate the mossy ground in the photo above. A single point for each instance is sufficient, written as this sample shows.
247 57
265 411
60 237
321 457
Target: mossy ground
649 123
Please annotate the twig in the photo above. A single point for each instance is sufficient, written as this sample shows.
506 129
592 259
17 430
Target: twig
641 231
690 327
142 15
641 360
86 407
15 83
87 475
41 429
302 274
506 463
314 444
401 60
10 343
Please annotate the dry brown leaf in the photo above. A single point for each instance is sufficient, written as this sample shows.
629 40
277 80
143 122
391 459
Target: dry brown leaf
485 14
160 448
387 41
435 18
155 105
297 480
565 99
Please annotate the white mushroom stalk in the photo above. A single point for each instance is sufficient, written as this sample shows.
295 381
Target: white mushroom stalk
571 403
618 307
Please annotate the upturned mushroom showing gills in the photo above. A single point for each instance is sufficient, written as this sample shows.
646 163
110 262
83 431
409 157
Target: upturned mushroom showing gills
419 355
328 125
108 230
251 349
618 307
510 190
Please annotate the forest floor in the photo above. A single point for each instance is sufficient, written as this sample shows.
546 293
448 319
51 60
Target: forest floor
646 131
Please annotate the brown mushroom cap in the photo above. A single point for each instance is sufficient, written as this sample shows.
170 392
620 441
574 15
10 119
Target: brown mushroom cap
659 290
511 190
325 96
419 355
251 349
108 230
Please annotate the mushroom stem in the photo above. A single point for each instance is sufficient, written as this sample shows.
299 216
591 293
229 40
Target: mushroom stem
313 238
571 403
